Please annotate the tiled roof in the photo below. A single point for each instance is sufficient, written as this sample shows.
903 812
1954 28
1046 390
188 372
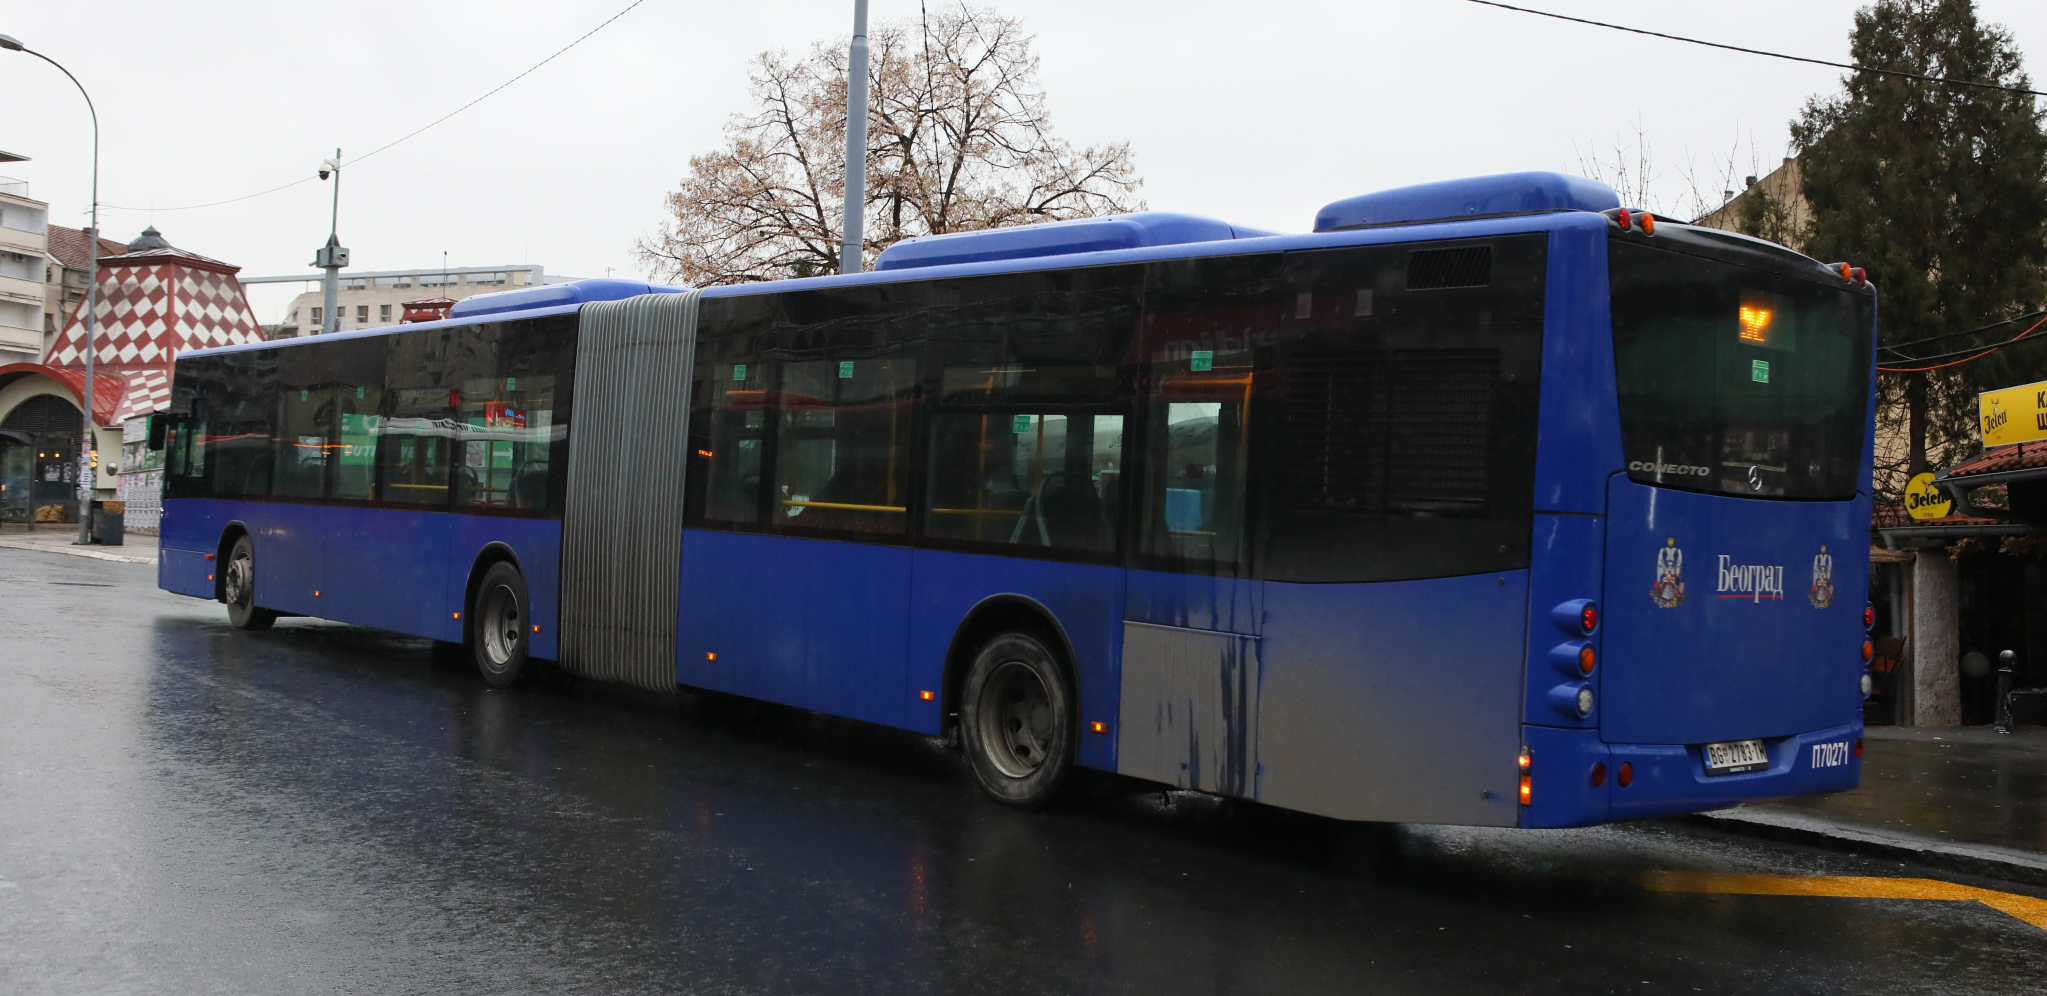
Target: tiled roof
169 254
68 246
2011 456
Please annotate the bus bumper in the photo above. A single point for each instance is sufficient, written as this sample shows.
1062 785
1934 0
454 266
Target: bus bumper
1668 779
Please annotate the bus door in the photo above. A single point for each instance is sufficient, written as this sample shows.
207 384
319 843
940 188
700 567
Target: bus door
811 441
1192 611
291 533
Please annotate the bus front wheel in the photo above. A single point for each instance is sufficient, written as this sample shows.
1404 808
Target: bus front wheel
238 588
1017 720
498 625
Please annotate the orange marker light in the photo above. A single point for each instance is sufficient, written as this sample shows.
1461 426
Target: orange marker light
1648 223
456 615
706 454
926 696
1527 783
316 594
209 556
710 657
536 629
1586 661
1868 650
1098 727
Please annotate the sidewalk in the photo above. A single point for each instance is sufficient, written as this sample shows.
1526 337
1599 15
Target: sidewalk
1969 800
63 539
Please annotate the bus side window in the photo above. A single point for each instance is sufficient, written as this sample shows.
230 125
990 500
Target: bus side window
416 425
729 409
1027 430
1203 320
843 393
232 442
359 400
304 398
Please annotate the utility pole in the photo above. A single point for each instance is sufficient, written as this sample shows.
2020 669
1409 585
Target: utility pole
332 257
88 462
856 142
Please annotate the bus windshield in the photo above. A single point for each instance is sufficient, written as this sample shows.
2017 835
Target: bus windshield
1738 380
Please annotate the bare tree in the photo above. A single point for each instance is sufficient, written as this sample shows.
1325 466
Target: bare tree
959 139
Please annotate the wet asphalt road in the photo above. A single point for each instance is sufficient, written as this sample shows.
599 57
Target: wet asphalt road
323 808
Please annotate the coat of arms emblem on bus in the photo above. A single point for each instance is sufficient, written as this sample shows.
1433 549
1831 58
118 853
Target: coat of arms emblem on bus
1822 593
1669 590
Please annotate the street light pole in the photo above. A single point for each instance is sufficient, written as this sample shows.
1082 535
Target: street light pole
87 441
856 142
332 257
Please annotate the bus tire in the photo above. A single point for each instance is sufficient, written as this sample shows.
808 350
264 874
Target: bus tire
499 625
238 589
1018 720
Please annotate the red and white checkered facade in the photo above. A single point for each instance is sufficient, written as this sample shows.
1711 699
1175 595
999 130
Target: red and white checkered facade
153 305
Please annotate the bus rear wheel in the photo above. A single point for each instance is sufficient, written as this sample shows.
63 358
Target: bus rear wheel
238 588
1017 721
498 625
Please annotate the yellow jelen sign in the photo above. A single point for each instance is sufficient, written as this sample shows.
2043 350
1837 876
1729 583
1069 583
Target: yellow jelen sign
1924 501
2013 415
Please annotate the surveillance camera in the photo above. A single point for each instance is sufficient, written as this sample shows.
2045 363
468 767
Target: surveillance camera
328 166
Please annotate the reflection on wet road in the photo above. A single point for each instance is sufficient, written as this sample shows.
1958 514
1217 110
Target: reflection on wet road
320 808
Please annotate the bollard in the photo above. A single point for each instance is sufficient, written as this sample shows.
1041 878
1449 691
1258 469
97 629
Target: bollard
2004 678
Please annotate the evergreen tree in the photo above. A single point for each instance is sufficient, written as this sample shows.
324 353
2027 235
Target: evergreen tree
1940 192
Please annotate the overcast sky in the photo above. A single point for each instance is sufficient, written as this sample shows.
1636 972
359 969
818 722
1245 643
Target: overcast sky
1255 113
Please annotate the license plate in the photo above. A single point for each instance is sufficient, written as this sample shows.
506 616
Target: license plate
1736 757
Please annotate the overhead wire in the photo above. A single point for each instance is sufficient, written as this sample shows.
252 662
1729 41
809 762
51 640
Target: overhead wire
529 71
1757 51
2015 319
1977 353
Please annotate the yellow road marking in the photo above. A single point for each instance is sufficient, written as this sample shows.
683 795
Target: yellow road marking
2033 911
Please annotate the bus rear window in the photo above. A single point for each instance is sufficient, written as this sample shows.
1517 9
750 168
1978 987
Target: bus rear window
1738 380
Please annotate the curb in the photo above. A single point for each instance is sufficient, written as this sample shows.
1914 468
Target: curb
74 551
1984 860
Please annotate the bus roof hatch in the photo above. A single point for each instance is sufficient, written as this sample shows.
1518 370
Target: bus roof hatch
1472 197
555 295
1059 238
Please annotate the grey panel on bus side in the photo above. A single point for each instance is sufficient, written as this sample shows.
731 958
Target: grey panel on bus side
1189 712
1394 701
621 546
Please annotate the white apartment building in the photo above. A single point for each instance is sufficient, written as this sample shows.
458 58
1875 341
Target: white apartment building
24 269
376 298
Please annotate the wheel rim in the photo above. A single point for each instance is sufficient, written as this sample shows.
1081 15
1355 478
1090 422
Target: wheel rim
241 581
500 622
1015 719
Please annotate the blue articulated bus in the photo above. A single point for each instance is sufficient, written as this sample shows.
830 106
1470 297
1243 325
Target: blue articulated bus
1487 502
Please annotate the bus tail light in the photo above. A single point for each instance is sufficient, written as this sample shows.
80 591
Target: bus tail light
1579 616
1861 278
1599 774
1575 658
1858 747
1626 218
1527 784
1626 775
1571 700
1869 618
